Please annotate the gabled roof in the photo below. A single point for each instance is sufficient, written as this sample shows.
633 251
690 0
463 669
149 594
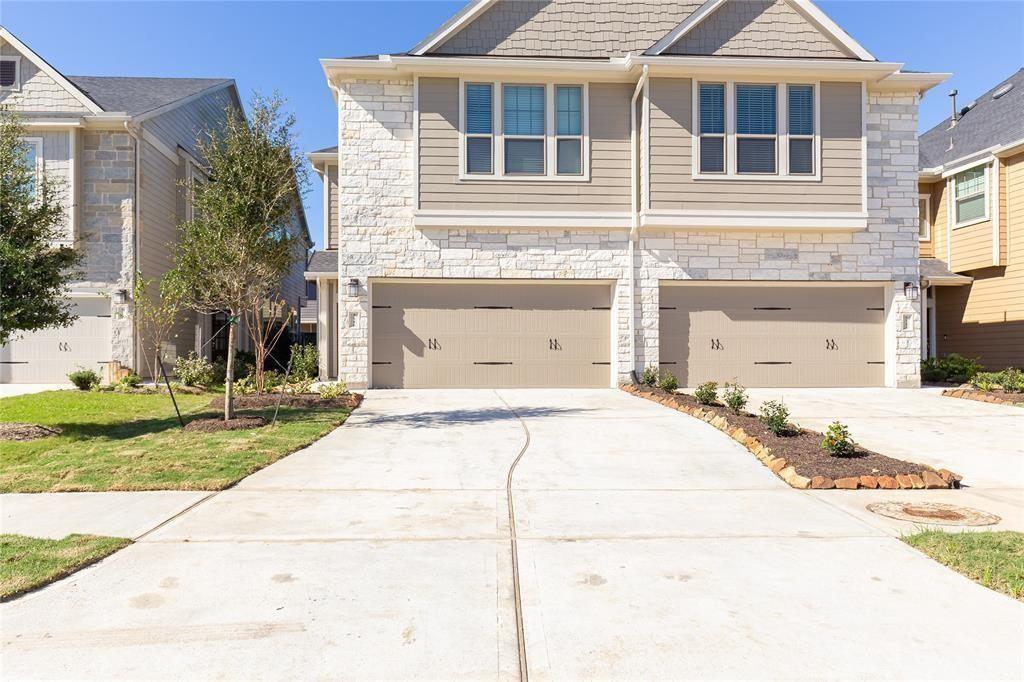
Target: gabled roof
323 262
138 95
992 122
53 73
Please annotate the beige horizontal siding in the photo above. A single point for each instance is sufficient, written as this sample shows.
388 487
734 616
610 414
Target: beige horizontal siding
184 124
441 189
674 188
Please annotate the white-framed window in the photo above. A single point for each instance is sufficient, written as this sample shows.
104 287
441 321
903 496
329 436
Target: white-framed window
10 73
523 131
970 196
924 217
756 130
34 159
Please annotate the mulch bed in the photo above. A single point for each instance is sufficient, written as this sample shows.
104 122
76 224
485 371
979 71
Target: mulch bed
797 456
998 397
22 431
218 424
246 402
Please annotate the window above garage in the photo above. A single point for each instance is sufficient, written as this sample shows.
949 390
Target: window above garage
523 131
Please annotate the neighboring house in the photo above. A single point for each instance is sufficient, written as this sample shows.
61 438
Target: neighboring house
121 147
564 192
972 229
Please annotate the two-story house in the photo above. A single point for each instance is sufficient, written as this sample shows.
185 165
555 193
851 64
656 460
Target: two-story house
972 229
120 147
564 192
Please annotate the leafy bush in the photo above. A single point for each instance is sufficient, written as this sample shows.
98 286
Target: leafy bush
246 385
650 376
986 381
330 391
775 416
707 393
220 372
130 380
1010 380
837 441
245 364
668 382
84 379
300 385
735 397
954 368
194 370
305 361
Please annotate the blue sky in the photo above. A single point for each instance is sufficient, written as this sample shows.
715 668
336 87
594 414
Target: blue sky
275 45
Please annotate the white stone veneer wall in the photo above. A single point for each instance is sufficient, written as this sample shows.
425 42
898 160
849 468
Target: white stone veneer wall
376 181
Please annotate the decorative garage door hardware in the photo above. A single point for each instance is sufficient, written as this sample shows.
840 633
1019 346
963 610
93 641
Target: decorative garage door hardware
666 307
773 362
716 344
601 307
13 362
492 363
830 344
492 307
432 344
876 362
771 308
381 362
666 363
600 363
554 345
381 307
880 309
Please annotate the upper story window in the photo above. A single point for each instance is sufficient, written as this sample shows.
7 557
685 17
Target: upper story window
310 290
540 131
10 73
924 217
756 130
971 196
34 159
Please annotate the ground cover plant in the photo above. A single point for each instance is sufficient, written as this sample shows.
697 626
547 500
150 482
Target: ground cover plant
29 563
993 558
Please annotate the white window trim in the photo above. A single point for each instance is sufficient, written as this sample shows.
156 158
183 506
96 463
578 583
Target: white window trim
984 192
781 133
498 136
193 174
36 142
16 86
925 199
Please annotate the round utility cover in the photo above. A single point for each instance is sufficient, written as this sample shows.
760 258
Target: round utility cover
934 512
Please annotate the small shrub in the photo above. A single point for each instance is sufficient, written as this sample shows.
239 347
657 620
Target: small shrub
958 368
650 376
930 370
194 370
305 361
84 379
300 385
330 391
245 386
707 393
986 381
735 397
220 373
837 441
775 416
272 379
668 382
1012 380
131 380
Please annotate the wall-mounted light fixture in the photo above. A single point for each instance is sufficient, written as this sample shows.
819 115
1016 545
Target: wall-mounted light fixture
120 296
911 291
353 287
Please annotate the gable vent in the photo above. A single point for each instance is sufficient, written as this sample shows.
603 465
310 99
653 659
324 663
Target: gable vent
1002 91
8 72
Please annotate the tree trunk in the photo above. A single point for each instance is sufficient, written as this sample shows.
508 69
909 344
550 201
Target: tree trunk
229 379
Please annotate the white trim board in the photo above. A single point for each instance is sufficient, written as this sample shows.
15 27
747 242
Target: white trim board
449 28
523 219
784 221
53 73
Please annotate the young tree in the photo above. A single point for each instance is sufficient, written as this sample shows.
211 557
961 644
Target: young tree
267 323
34 273
234 253
158 306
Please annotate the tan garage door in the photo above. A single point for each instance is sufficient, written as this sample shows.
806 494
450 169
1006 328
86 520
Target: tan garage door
48 355
773 336
502 334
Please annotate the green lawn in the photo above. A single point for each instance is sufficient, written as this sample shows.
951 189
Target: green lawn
27 563
995 558
117 441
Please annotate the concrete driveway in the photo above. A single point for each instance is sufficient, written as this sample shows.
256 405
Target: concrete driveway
649 546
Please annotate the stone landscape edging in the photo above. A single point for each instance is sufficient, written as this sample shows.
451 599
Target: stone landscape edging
917 480
980 396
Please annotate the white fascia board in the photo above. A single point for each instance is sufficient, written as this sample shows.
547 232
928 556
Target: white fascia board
1010 148
452 26
101 121
838 69
53 73
920 82
812 13
52 123
322 157
980 161
523 219
794 221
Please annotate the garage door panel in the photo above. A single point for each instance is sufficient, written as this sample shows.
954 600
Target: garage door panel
491 335
49 355
774 336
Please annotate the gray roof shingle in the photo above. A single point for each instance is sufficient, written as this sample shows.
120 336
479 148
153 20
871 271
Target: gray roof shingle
323 262
136 96
990 122
934 268
326 150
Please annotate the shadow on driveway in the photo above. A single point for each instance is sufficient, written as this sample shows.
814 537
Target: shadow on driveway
462 417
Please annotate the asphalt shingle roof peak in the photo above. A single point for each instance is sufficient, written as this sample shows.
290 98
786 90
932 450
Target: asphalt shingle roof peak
990 122
136 95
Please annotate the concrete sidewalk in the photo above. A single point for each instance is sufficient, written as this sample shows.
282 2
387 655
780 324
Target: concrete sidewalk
651 546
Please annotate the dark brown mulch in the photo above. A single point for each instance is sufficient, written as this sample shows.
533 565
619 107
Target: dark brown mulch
802 448
245 402
218 424
22 431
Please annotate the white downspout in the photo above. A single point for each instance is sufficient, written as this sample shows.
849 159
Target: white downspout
634 221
